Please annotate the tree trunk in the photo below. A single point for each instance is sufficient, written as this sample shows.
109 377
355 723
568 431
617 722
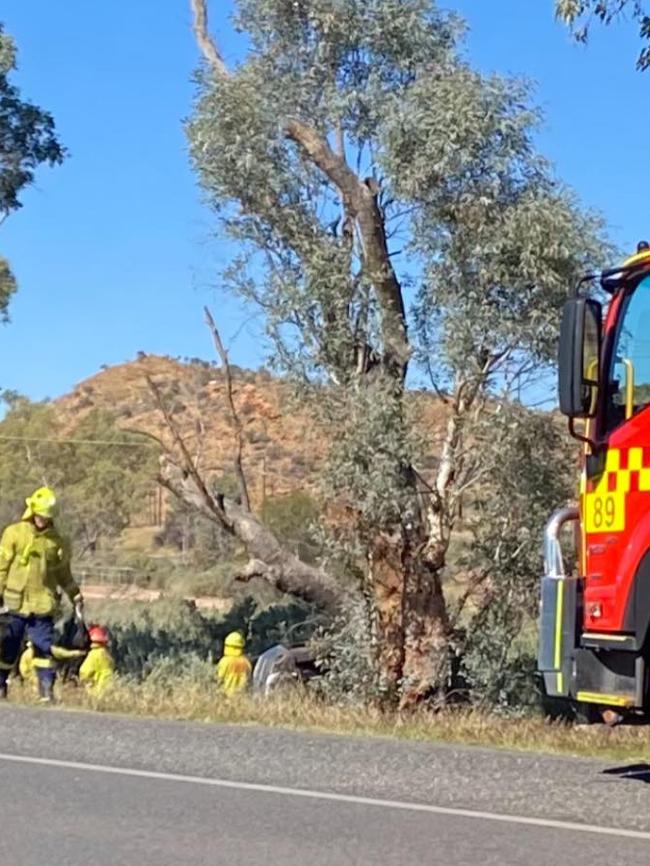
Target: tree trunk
426 633
412 623
387 595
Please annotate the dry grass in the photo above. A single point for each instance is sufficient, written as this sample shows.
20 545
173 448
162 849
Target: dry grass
192 701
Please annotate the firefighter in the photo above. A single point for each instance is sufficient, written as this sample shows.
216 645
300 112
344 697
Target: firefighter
234 669
34 570
27 669
98 667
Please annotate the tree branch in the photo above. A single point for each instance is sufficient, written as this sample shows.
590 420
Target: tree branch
282 568
205 42
189 467
236 420
361 199
273 562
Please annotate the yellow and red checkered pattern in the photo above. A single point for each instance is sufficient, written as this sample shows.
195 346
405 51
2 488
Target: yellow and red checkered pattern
604 498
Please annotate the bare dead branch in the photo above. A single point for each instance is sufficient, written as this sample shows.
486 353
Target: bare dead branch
189 467
146 434
434 384
200 442
283 569
238 427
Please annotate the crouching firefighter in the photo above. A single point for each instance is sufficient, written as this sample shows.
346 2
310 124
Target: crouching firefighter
234 668
98 668
34 570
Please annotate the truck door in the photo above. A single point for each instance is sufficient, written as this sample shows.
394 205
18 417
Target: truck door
616 498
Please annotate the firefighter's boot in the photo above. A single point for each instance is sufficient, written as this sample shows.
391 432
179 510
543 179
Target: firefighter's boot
45 686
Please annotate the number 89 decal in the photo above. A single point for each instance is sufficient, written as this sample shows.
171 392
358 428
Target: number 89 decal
605 513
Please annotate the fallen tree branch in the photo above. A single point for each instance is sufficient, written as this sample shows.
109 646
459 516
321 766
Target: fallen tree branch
278 566
273 562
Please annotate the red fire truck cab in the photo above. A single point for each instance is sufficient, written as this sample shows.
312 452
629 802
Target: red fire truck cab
594 648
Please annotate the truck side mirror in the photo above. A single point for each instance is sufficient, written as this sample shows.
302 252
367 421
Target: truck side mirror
579 357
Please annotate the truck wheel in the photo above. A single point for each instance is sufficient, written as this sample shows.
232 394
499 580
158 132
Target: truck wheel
592 714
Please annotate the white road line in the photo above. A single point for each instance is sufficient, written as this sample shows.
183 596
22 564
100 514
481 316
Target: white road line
331 797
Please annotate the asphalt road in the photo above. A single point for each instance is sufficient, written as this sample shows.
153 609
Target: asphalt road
78 788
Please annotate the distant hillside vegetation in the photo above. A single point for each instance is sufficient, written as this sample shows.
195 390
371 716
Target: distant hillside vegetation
284 449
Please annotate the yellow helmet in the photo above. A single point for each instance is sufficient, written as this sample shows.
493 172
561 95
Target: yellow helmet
642 254
42 502
235 640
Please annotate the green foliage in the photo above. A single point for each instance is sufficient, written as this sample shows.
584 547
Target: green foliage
27 134
285 216
28 458
344 652
396 89
490 237
105 484
173 633
579 14
143 635
27 139
100 472
7 286
534 473
169 673
293 518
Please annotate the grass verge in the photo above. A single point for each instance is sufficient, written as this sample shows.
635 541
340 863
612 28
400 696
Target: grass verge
197 700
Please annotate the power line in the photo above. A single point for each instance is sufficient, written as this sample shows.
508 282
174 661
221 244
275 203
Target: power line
78 441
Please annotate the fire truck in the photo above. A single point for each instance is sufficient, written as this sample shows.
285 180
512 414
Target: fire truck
594 646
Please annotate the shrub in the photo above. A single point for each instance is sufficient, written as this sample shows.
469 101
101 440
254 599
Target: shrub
173 633
344 652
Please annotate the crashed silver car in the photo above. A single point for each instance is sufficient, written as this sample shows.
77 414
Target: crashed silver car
283 666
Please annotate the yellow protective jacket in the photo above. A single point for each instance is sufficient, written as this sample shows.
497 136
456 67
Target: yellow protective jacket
34 569
234 671
97 669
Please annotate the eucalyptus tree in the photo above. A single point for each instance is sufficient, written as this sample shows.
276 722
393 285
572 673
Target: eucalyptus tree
392 216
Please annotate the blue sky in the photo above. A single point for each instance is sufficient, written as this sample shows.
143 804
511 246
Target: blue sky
114 251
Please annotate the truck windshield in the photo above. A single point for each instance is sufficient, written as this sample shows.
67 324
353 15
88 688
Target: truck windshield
629 380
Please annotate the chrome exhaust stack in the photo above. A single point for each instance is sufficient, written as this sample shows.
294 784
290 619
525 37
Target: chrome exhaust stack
558 611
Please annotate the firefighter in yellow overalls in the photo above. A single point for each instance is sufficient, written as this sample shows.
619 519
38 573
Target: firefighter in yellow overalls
234 669
34 571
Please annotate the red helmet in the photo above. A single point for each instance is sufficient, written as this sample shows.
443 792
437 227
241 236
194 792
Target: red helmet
98 634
